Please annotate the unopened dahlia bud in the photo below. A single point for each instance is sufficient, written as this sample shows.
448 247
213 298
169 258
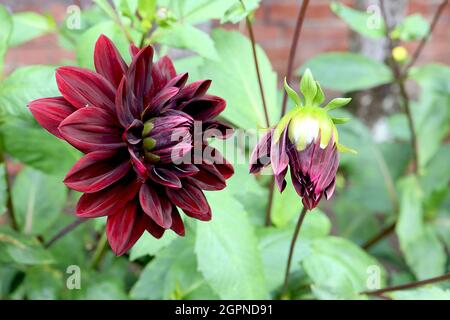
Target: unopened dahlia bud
306 141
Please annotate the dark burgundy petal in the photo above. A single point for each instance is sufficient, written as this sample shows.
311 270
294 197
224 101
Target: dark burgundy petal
157 208
179 81
108 61
127 106
152 227
218 129
134 50
164 177
189 198
159 101
84 88
208 178
133 134
138 164
261 154
213 156
50 112
90 129
96 171
330 189
278 154
177 222
204 216
139 73
173 154
280 181
204 108
162 72
183 170
119 228
108 200
194 90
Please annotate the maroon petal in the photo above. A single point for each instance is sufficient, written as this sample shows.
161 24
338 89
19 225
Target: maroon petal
159 209
178 81
213 156
138 75
204 216
261 154
50 112
138 164
204 108
177 222
184 170
280 181
217 129
208 178
152 227
330 189
84 88
119 228
108 200
127 106
96 171
108 61
159 100
164 177
134 50
163 71
278 154
91 129
189 198
194 90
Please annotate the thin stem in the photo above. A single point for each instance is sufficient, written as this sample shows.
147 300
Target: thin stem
64 231
255 58
100 251
424 41
122 26
293 50
379 236
292 247
400 80
9 203
445 277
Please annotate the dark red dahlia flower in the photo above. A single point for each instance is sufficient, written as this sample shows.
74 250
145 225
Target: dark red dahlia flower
135 125
306 141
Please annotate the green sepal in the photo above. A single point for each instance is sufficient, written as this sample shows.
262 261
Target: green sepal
292 94
320 96
283 123
308 87
337 103
340 120
344 149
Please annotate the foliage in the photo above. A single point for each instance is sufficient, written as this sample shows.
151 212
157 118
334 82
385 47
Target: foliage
234 256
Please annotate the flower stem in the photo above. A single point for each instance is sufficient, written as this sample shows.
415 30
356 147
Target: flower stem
293 50
255 59
9 203
292 247
379 236
425 39
64 231
445 277
100 251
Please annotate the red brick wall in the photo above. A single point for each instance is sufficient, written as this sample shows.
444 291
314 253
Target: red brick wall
274 26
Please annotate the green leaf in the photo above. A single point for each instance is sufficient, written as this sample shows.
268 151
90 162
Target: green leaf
424 253
149 245
369 25
234 79
413 27
337 103
238 12
172 274
38 148
24 85
285 206
43 283
185 36
437 173
30 25
197 11
345 71
292 94
274 245
38 200
106 7
339 269
229 240
308 87
5 32
147 8
424 293
21 249
86 42
340 120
